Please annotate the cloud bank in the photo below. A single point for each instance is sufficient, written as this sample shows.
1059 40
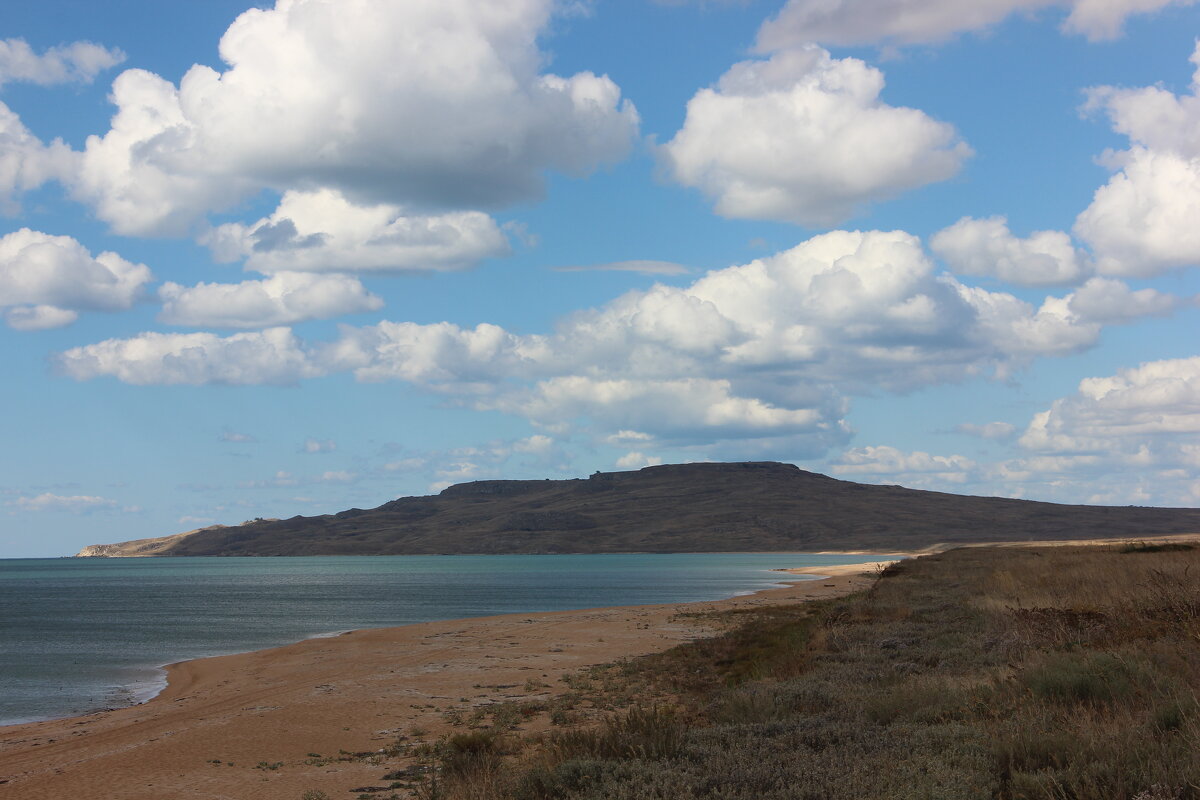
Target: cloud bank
761 355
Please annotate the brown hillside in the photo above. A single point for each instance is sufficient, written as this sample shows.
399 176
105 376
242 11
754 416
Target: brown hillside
756 506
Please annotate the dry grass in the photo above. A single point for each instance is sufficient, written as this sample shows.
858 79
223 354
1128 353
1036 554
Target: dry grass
1056 674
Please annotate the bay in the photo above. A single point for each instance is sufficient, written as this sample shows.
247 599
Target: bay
78 635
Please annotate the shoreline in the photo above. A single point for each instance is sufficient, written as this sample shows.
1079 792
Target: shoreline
209 732
148 676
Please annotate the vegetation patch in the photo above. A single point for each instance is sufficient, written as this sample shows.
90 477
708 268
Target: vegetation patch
1047 673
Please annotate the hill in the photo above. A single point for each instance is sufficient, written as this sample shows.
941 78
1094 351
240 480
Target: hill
752 506
682 509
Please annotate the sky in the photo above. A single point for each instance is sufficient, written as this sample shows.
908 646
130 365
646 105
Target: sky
261 261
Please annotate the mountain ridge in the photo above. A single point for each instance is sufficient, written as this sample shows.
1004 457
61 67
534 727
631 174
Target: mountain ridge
701 507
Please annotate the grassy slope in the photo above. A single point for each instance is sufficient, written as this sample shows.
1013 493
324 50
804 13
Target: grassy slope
976 673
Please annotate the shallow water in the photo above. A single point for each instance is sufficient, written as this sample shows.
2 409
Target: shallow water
77 635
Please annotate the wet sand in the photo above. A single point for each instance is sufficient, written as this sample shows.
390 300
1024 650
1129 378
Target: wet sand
219 719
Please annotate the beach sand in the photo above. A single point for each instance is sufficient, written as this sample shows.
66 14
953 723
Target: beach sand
219 718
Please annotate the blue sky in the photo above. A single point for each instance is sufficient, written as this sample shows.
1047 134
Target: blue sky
290 259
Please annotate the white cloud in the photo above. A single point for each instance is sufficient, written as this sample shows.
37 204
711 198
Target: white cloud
1157 403
1112 302
236 438
989 430
987 247
77 62
636 460
537 444
284 298
762 353
684 410
45 279
324 95
26 162
318 446
900 22
437 355
1104 19
914 468
1143 221
39 318
1133 437
321 231
77 504
624 438
272 356
803 137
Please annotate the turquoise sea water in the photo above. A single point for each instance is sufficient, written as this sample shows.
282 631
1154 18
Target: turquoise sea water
77 635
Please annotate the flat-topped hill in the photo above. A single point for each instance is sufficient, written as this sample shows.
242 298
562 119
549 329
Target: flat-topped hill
731 507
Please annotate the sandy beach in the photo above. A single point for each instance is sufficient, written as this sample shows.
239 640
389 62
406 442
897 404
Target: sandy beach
263 724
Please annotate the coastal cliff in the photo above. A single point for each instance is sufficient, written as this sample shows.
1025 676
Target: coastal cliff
733 507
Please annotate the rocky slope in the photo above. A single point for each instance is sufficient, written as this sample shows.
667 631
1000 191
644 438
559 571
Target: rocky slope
754 506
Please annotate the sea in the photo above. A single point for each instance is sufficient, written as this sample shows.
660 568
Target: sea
83 634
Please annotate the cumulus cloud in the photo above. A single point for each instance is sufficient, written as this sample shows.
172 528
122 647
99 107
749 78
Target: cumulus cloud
26 162
1142 222
1132 437
901 22
282 299
324 95
45 280
1112 302
272 356
313 446
75 504
77 62
987 247
681 410
636 460
235 437
1155 403
803 137
761 353
915 468
321 231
